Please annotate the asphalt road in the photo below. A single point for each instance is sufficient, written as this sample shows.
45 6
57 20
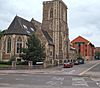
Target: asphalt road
57 77
82 69
96 68
47 81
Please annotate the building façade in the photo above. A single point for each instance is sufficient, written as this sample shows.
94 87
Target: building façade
52 32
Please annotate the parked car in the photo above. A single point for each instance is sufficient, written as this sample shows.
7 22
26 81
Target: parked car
80 60
68 65
76 62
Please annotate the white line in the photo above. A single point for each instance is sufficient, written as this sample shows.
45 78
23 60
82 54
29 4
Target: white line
19 79
51 83
95 79
58 78
98 84
70 72
79 82
4 84
88 69
24 75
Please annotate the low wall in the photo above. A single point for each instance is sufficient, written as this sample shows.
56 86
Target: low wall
18 67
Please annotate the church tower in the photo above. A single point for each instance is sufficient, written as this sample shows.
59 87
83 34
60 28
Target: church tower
55 23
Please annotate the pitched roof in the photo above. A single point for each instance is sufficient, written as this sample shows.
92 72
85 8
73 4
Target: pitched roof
80 37
47 36
20 26
24 27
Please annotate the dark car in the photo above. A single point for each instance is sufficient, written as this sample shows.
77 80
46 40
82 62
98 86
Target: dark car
80 60
68 65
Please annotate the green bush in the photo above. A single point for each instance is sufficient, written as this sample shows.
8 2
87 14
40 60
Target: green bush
4 63
22 63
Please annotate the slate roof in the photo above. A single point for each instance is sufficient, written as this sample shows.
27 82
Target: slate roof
47 36
20 26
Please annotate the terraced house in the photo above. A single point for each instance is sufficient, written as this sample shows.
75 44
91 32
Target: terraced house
52 32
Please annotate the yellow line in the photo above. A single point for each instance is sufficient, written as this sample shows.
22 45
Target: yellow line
88 69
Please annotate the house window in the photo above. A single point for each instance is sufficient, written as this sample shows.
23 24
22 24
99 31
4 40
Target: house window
9 45
19 45
85 52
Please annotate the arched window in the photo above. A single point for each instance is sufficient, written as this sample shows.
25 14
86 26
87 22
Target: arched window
51 13
9 45
19 45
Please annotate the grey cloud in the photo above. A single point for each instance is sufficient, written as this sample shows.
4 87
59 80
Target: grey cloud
83 15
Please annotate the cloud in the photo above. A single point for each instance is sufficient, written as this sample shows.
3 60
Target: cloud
84 19
83 15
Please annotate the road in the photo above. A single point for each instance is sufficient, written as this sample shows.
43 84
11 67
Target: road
46 81
57 77
81 69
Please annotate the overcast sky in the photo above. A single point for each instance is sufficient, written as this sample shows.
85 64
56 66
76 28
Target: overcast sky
83 16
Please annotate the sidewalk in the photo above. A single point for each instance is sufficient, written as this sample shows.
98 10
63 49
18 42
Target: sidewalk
33 71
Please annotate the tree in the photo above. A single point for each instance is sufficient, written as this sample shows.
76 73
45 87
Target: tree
97 55
35 51
1 34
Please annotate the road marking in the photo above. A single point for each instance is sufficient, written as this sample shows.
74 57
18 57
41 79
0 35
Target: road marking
77 79
25 75
98 84
95 79
70 72
56 81
58 78
18 79
51 83
79 82
88 69
4 84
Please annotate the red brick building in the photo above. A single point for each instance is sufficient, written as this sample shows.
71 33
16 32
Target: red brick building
84 48
97 53
97 49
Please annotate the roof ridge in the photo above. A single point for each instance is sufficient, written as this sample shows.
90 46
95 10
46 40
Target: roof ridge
20 23
22 18
84 38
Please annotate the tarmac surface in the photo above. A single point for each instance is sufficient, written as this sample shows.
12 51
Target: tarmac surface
95 71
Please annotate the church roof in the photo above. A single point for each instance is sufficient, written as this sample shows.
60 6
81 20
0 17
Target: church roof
45 33
20 26
47 36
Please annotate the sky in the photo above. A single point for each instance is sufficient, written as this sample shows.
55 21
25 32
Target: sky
83 16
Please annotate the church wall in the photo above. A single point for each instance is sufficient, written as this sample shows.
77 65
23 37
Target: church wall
55 18
6 56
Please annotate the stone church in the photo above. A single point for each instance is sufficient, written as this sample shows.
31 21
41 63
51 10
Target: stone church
52 32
